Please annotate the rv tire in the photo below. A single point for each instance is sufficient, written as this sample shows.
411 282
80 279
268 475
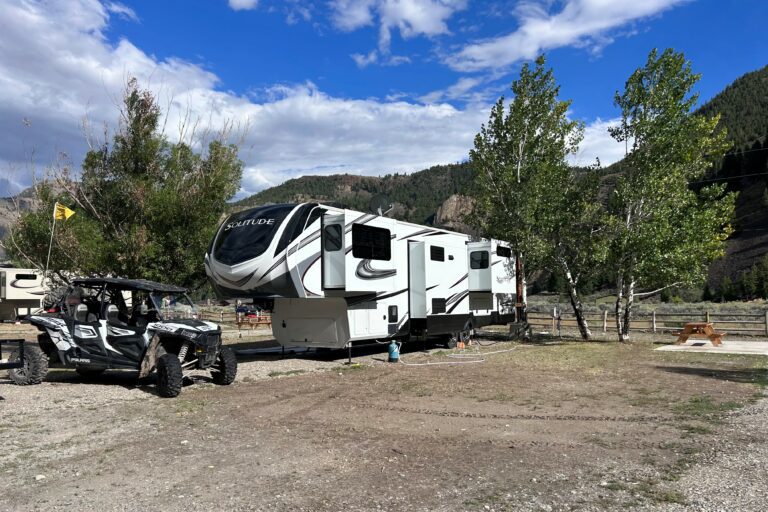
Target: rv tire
35 366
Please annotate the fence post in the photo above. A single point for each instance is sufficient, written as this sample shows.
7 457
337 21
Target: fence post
654 321
707 316
766 322
222 317
605 320
554 315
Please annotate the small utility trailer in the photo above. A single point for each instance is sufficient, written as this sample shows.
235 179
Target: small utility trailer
8 362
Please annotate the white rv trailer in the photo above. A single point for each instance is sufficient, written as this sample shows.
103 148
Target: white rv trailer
340 276
21 292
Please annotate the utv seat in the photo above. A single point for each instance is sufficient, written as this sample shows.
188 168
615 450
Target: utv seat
83 315
112 315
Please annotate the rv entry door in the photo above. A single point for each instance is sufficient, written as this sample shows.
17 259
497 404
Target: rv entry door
333 250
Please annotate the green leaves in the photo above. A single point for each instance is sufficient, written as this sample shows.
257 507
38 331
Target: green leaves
667 232
146 208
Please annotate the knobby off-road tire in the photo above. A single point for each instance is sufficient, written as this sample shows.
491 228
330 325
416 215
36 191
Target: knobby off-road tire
35 367
225 369
169 376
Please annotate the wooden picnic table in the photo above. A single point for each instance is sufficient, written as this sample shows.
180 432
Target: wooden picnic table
700 330
254 321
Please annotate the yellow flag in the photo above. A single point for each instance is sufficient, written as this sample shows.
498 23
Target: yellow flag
61 212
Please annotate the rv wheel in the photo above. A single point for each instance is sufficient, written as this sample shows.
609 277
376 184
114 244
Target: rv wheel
169 375
35 366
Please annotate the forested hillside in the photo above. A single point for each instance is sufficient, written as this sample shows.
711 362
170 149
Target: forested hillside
415 197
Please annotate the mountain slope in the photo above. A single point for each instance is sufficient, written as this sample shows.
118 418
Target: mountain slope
414 197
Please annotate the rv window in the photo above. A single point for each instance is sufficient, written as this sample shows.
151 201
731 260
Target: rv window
332 238
247 234
504 252
436 253
438 306
295 227
371 243
478 260
392 314
26 277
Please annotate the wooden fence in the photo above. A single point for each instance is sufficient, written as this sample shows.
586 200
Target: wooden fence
232 318
754 324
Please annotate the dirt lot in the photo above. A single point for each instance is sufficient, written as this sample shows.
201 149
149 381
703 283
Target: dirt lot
571 426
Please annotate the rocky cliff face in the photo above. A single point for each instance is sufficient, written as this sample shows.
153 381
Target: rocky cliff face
10 208
451 214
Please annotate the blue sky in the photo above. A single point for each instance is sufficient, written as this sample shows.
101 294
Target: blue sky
359 86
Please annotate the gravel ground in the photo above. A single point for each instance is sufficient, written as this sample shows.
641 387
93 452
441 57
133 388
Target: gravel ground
585 427
733 474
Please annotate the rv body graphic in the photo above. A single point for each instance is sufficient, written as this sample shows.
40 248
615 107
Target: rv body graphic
21 292
339 276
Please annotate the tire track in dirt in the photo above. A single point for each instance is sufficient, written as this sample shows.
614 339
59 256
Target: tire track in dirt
525 417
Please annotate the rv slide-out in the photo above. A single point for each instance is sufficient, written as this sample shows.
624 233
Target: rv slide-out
338 276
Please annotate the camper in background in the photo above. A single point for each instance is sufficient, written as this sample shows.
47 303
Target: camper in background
21 293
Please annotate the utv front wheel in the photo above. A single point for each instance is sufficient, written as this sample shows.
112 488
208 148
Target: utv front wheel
169 376
35 366
225 368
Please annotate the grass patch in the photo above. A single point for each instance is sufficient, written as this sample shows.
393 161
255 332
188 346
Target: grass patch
349 368
691 429
187 407
704 406
285 373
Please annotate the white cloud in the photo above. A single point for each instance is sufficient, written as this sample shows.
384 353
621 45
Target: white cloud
410 17
578 23
243 5
364 61
57 65
458 90
122 10
598 143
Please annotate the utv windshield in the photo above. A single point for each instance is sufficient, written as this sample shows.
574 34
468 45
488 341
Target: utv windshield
248 234
173 306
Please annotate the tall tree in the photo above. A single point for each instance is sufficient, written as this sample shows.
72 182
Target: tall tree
145 207
525 191
666 233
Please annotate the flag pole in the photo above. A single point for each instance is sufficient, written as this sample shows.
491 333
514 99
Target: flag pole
50 244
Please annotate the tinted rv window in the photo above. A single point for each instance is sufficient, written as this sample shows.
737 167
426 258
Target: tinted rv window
438 306
245 235
504 252
295 227
371 243
436 253
26 277
478 260
332 238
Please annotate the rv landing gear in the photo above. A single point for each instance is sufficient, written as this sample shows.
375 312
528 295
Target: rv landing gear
462 337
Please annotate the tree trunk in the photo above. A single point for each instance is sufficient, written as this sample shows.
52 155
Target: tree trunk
578 309
618 306
628 310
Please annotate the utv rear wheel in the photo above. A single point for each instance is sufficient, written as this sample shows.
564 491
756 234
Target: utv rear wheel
169 376
35 366
225 369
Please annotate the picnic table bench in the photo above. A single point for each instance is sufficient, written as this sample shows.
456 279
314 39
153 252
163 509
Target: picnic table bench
254 320
700 330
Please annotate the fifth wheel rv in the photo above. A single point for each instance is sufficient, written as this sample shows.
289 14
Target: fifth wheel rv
340 276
